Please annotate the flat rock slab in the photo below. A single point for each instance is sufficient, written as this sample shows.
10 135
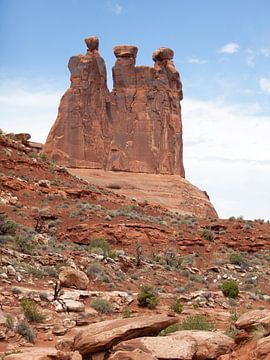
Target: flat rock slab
137 354
33 354
162 347
262 350
181 345
104 335
252 319
210 344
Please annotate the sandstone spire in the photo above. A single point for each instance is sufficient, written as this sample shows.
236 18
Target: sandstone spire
137 127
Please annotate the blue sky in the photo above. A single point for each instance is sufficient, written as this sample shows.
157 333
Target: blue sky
222 50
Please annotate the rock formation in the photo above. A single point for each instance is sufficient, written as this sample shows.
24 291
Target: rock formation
136 128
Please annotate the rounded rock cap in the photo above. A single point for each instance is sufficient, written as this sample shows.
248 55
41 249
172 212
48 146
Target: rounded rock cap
125 51
92 43
162 53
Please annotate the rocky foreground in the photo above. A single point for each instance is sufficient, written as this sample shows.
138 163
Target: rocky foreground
87 273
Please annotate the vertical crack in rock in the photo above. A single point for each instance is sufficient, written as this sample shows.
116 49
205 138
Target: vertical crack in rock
136 127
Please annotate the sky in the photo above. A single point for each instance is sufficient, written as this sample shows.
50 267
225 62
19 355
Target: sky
222 51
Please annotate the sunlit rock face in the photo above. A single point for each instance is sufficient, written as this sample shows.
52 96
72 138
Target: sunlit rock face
136 127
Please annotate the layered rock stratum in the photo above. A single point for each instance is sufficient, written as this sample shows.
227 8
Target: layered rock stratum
136 127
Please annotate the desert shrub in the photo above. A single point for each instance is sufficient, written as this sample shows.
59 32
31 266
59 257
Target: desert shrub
230 288
43 157
102 305
197 322
130 208
102 244
247 226
177 307
94 269
44 297
7 227
126 312
9 322
31 310
207 234
192 322
4 239
16 291
237 259
24 244
24 329
148 297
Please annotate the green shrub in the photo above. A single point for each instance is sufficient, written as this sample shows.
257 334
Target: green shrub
148 297
230 288
102 244
207 234
126 312
193 322
237 259
177 307
43 157
197 322
32 311
24 329
102 305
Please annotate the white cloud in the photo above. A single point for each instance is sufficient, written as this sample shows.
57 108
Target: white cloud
115 7
226 153
250 57
197 61
265 85
266 52
31 111
229 48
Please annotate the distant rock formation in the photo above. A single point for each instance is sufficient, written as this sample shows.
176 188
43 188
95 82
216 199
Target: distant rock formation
136 127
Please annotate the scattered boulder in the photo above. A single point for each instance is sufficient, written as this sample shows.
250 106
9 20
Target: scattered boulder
103 335
183 345
250 320
162 347
210 345
70 277
44 183
262 350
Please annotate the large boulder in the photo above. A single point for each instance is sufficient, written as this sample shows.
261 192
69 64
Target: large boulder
250 320
162 347
211 344
104 335
70 277
262 349
182 345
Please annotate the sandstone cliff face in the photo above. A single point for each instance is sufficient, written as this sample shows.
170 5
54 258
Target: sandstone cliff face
136 128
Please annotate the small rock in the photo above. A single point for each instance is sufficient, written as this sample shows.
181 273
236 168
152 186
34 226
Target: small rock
10 270
68 323
59 330
44 183
64 345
